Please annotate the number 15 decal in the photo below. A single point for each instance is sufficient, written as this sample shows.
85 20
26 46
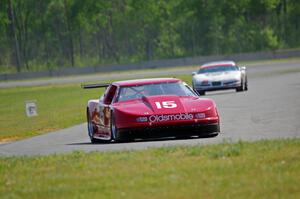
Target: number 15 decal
166 104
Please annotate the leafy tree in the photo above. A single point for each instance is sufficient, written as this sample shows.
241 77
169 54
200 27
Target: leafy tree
47 34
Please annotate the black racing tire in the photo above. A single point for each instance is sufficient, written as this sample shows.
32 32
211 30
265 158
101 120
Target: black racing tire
246 84
183 137
115 134
211 135
114 130
91 131
240 88
90 128
201 92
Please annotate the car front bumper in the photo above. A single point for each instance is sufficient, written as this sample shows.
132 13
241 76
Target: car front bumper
184 130
220 86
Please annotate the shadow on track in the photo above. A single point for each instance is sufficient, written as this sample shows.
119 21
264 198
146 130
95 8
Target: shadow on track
80 143
165 139
226 92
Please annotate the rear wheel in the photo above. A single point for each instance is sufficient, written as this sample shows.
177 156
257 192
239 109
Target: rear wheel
91 128
91 131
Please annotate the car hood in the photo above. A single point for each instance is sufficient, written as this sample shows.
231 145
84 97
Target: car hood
218 76
164 104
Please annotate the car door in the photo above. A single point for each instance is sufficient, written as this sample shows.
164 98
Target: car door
105 108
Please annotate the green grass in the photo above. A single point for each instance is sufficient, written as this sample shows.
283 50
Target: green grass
59 106
265 169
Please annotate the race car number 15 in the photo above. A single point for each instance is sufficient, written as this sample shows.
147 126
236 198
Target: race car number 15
166 104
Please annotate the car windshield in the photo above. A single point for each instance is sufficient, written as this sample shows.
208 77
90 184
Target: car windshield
214 69
136 92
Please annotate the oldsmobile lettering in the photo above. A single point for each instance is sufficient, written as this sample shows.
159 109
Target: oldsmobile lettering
171 117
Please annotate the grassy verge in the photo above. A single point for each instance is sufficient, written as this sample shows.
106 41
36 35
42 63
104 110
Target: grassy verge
265 169
59 106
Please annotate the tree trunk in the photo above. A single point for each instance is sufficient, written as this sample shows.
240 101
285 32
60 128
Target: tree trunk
24 49
71 49
284 20
69 35
13 35
81 43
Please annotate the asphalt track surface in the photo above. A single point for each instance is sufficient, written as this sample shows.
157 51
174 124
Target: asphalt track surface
269 110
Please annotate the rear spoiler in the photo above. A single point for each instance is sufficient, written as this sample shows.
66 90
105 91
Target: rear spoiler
90 86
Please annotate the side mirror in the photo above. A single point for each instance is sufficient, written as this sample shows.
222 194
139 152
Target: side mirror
242 67
194 73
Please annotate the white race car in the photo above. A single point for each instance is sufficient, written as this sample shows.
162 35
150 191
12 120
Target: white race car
220 75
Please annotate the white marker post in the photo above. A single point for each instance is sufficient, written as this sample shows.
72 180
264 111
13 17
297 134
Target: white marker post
31 108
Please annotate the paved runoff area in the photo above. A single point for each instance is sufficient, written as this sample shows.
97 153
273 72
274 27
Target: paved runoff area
269 110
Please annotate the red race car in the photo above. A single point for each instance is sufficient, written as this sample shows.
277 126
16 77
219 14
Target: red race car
150 108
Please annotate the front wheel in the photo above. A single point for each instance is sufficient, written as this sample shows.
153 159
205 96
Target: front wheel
211 135
113 129
240 88
246 84
115 134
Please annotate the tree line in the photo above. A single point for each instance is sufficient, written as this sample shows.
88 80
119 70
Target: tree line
47 34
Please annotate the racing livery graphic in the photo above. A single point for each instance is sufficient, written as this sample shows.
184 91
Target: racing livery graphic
149 108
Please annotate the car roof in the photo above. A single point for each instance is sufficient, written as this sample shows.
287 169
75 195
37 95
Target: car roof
218 63
137 82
